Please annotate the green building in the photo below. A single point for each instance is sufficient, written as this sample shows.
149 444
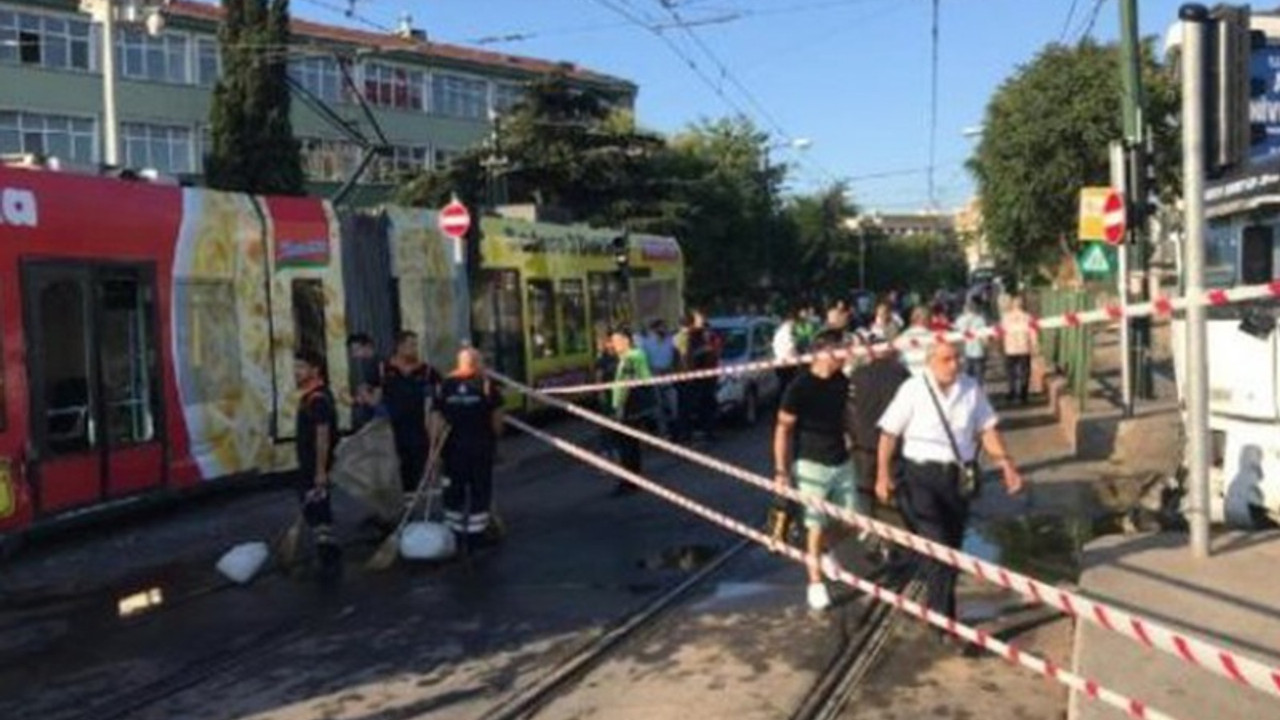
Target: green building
431 100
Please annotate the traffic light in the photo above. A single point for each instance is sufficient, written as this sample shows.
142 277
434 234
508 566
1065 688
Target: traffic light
622 256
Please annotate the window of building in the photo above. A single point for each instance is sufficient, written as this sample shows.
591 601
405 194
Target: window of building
208 62
320 75
506 96
393 87
460 97
573 316
48 41
167 148
328 160
444 158
68 138
308 316
405 160
160 59
542 318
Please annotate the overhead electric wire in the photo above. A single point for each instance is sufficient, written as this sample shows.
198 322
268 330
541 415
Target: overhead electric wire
733 80
1066 23
1092 20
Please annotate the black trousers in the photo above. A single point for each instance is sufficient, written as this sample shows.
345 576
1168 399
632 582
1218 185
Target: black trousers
929 499
629 450
1019 369
469 496
411 448
318 515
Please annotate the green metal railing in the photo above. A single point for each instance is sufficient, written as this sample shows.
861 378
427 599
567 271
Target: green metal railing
1067 350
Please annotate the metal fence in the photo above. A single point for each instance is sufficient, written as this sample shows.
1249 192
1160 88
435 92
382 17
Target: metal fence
1067 350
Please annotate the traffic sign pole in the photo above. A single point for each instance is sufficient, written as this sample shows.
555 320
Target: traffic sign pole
1126 335
454 221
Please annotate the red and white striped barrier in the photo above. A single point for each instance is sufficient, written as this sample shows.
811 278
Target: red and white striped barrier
1132 707
1198 652
1162 307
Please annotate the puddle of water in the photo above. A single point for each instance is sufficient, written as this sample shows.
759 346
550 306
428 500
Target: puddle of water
1047 547
140 602
737 593
682 557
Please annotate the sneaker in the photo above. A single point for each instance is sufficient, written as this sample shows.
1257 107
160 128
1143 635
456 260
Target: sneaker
819 598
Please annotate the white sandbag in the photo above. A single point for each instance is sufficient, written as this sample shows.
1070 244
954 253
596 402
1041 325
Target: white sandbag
427 541
243 561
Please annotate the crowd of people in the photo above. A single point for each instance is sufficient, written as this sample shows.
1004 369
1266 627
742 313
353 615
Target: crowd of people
900 425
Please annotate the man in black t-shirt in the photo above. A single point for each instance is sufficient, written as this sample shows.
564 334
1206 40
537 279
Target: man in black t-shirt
366 380
812 414
316 434
871 389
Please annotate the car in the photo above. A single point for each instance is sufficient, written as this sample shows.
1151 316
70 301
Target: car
746 339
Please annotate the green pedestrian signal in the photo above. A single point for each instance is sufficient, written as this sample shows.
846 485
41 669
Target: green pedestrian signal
1097 259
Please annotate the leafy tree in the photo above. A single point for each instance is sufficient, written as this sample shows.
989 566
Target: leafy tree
826 253
1046 135
253 147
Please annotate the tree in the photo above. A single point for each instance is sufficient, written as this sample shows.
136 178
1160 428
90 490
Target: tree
1046 135
253 147
826 253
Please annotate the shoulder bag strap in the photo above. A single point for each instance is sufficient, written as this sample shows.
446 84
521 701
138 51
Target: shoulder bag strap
946 424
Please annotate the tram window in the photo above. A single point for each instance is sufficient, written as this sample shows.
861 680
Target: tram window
573 313
209 338
64 357
1256 255
308 317
127 344
542 319
603 293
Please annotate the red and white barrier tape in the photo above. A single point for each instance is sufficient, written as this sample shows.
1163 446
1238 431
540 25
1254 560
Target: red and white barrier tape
1162 307
1134 708
1198 652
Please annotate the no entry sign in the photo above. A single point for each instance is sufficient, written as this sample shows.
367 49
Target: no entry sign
1113 218
455 220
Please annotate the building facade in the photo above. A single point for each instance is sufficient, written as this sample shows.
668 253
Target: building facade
431 100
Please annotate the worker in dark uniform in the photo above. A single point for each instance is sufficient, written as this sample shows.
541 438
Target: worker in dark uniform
407 385
472 406
316 434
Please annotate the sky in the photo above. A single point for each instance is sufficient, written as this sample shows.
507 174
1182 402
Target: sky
850 76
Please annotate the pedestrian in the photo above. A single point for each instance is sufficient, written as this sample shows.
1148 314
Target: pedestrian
698 405
940 416
915 341
316 433
660 350
605 370
939 320
784 348
472 406
811 416
871 388
973 324
408 384
366 383
1020 343
886 324
634 406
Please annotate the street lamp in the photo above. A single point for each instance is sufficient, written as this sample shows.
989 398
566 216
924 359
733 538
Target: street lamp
799 144
864 224
149 14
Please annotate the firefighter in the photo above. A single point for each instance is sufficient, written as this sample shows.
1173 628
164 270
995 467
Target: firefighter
407 385
316 433
472 405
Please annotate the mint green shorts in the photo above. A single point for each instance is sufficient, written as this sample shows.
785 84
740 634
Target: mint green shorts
837 484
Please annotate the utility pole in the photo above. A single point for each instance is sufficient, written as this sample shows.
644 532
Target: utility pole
1136 246
1195 23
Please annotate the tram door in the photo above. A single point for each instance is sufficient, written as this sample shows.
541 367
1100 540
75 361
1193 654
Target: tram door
498 320
94 377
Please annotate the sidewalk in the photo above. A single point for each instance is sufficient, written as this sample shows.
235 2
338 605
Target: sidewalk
1230 600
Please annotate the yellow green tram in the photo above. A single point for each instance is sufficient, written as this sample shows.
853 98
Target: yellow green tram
545 291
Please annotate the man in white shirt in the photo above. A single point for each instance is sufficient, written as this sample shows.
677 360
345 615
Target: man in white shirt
784 348
975 349
931 494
